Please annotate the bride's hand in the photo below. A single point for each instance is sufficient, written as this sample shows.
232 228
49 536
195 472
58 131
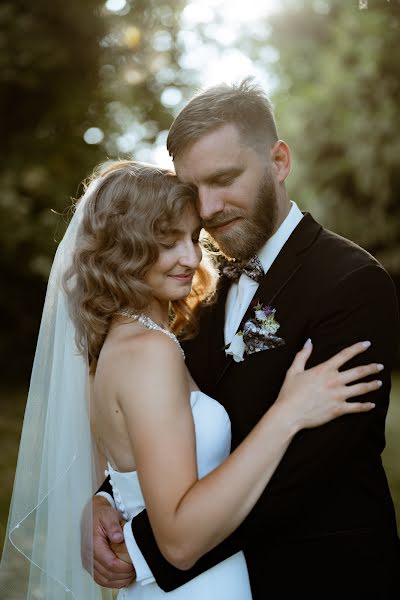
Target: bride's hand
315 396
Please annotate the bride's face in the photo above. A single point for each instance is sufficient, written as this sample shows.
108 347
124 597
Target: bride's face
180 254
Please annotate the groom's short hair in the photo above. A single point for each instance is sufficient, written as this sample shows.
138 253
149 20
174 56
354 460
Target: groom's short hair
244 105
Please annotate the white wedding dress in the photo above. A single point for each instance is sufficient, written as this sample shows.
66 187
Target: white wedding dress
229 579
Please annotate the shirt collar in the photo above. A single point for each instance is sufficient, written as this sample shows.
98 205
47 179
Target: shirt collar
275 243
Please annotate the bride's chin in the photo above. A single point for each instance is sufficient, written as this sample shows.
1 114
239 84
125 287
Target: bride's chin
178 296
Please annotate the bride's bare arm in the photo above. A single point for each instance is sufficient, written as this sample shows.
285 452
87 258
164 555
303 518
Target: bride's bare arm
154 396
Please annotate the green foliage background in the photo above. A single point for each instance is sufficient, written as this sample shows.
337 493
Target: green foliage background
338 107
66 67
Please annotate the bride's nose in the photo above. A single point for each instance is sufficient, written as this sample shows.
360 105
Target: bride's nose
192 255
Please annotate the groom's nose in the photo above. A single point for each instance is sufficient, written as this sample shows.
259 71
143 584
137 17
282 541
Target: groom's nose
210 202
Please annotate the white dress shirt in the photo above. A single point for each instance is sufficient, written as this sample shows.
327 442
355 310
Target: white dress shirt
238 299
242 292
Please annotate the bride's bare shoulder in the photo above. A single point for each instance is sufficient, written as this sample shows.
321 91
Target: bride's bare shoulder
140 356
149 345
153 370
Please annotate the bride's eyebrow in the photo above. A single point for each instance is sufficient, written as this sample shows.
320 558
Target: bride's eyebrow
168 233
176 231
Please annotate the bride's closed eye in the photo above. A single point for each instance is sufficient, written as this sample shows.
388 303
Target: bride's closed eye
167 245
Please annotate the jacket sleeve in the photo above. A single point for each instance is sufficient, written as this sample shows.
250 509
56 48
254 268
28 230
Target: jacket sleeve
106 487
362 306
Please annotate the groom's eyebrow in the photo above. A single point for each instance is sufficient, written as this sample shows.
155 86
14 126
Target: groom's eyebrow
227 171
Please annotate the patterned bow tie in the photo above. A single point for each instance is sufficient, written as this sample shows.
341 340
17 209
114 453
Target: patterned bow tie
252 268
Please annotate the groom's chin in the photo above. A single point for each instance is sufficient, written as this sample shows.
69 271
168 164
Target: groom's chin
235 248
228 245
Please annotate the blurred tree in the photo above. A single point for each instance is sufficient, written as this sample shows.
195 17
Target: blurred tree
80 82
83 82
337 103
49 58
141 80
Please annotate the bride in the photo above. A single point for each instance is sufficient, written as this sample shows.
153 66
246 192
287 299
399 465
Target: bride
110 390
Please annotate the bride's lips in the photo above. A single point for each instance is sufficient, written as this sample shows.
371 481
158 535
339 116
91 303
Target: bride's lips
183 277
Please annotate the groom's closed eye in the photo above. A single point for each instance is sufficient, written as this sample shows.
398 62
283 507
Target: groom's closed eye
225 180
224 177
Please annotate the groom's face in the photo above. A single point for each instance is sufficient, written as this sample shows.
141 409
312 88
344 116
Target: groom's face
237 198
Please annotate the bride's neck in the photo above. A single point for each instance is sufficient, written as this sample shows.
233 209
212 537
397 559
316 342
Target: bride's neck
158 312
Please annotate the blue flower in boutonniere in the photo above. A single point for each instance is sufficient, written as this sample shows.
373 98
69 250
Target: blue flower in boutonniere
257 334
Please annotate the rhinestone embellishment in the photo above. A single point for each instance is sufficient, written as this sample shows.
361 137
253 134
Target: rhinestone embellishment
150 324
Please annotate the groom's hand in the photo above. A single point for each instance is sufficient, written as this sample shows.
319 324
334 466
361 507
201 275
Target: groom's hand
121 551
108 570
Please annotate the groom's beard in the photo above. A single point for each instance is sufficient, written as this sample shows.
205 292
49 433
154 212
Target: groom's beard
243 241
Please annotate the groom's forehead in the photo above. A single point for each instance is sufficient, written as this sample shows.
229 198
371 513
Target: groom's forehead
213 138
220 144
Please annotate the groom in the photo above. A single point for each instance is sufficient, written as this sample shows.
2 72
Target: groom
325 525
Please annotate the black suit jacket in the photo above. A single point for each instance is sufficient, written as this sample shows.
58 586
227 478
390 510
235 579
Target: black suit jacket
325 524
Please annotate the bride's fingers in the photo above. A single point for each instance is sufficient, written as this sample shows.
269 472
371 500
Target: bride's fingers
357 407
346 354
358 389
359 372
299 362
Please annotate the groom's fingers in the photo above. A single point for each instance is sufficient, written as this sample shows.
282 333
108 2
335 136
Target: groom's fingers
108 560
110 571
121 551
110 522
112 567
105 579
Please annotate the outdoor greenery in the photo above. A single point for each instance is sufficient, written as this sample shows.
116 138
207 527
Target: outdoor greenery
80 84
337 104
66 69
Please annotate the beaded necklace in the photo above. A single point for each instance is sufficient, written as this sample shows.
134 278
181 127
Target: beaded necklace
150 324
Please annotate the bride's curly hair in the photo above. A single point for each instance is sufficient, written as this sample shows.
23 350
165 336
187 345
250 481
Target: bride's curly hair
132 206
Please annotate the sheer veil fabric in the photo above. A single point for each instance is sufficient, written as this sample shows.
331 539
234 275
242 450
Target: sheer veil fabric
57 464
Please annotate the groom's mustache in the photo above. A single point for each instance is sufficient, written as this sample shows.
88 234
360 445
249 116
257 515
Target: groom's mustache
222 219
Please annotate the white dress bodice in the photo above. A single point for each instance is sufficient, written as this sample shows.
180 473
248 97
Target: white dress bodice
229 579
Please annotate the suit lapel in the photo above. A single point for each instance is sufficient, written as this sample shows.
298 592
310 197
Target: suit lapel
287 263
282 270
218 345
205 354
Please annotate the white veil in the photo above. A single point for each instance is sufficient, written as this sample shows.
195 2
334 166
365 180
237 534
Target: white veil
56 475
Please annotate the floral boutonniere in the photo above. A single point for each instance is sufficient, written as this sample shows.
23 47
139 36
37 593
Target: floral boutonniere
257 334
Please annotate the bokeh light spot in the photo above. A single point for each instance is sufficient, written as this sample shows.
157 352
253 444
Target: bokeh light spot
132 36
171 96
93 135
115 5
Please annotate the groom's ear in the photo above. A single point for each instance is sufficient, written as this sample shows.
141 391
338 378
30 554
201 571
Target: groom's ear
281 160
